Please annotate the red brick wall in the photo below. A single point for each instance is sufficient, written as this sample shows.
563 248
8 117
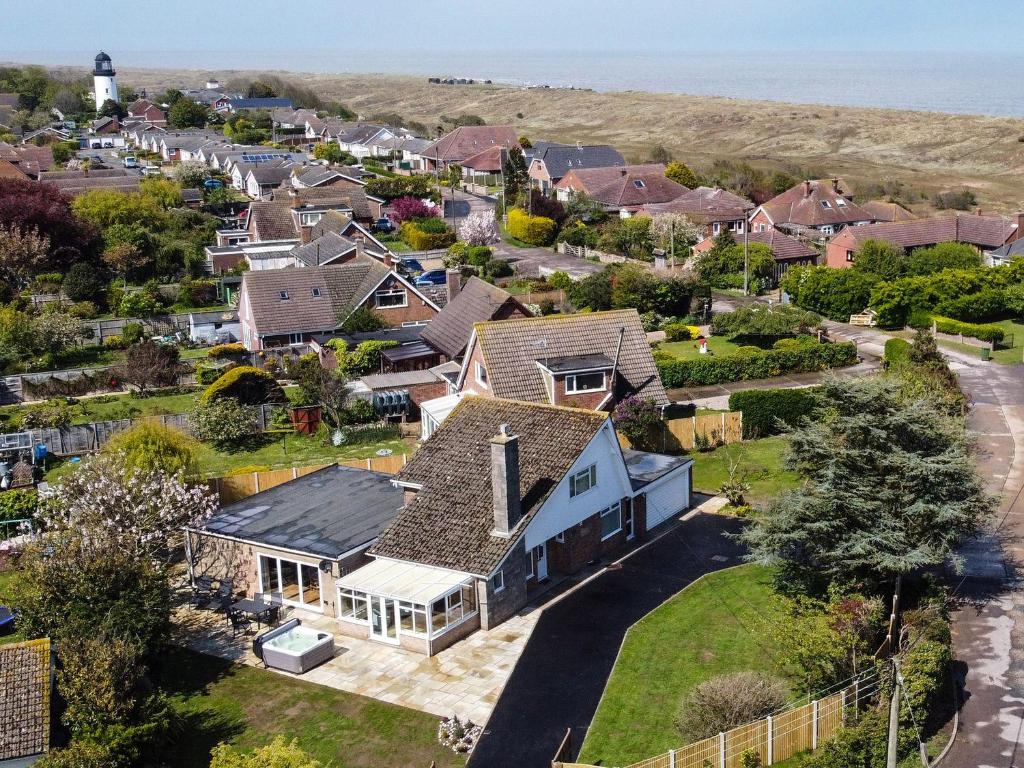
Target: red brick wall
469 384
760 218
837 250
587 400
416 309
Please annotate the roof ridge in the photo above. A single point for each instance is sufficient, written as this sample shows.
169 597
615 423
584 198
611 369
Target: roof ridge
556 318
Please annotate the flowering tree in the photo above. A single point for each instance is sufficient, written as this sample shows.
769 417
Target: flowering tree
478 228
22 252
669 228
405 208
635 417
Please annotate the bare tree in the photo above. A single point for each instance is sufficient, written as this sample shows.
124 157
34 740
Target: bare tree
148 364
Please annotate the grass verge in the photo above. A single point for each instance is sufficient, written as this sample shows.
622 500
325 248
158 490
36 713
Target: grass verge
761 464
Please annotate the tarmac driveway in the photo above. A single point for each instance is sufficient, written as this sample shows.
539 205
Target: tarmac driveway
560 676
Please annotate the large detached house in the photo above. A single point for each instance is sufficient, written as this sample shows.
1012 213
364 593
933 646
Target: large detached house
475 302
281 307
465 142
549 164
622 189
712 208
986 233
815 208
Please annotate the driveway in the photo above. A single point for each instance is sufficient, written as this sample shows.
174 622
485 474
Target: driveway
561 673
533 262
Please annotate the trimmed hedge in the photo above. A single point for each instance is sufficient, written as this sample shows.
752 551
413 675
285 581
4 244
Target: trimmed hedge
18 504
756 364
681 332
985 332
763 409
248 385
420 240
897 351
226 351
535 230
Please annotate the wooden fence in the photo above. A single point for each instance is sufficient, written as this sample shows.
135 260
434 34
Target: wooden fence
683 434
774 739
237 487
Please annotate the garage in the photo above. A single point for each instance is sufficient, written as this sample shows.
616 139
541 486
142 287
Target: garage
664 480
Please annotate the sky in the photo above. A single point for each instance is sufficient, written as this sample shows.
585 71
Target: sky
265 26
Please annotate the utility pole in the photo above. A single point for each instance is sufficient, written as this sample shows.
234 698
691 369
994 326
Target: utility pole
746 263
672 242
894 721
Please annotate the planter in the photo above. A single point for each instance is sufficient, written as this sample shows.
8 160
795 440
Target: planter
305 419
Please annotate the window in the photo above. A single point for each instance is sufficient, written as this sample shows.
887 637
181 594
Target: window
638 183
498 582
611 521
396 297
309 219
294 338
584 382
284 296
560 537
849 255
583 481
412 618
828 230
317 293
290 581
352 606
825 204
481 373
760 227
840 202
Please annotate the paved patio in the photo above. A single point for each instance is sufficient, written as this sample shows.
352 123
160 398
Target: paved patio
465 679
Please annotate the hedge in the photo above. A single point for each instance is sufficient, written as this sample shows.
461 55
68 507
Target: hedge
18 504
681 332
986 332
226 350
764 409
756 364
420 240
248 385
535 230
897 351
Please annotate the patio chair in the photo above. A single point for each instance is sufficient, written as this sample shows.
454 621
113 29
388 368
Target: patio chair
7 617
225 590
239 624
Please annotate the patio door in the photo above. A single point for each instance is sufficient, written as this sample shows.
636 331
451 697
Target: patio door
383 623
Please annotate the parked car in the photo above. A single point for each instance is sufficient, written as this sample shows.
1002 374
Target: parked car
410 267
433 277
384 224
130 162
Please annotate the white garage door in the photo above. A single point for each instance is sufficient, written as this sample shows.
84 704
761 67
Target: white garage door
668 498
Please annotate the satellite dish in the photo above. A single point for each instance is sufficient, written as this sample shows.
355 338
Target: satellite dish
325 566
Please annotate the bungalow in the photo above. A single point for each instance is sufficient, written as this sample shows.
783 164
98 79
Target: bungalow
817 209
986 233
550 164
883 210
239 105
261 180
292 542
712 208
504 497
356 141
622 189
281 307
329 129
465 142
787 251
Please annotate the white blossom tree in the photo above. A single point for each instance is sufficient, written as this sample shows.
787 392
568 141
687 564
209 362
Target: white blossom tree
669 228
478 228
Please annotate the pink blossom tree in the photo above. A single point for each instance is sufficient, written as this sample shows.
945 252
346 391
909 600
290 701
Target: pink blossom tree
405 208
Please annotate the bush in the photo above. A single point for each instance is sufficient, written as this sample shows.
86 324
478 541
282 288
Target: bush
834 293
83 310
479 255
989 332
361 412
755 363
928 261
896 351
224 422
497 268
920 318
759 320
152 445
139 304
636 417
560 281
723 702
226 351
247 385
535 230
18 504
417 236
681 332
206 374
53 413
132 333
364 359
963 200
83 282
197 293
986 304
278 753
411 208
363 320
769 411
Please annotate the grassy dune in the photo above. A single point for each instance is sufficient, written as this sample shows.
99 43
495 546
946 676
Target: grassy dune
926 151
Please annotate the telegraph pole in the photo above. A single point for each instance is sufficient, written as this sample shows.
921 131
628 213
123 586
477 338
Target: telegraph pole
746 263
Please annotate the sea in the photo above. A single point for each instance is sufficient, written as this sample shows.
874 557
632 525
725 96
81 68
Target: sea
964 82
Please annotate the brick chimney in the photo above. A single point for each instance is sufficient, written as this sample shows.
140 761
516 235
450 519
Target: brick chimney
835 185
305 235
1020 228
807 189
453 283
359 249
507 505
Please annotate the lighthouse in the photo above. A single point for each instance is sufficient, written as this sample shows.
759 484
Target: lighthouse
103 80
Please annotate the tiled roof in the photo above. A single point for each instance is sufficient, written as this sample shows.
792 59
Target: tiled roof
272 220
804 205
982 231
359 133
784 247
267 173
25 699
449 521
705 204
486 160
332 221
560 159
883 211
262 103
511 349
468 140
342 288
322 250
347 195
476 302
315 175
9 170
35 160
627 186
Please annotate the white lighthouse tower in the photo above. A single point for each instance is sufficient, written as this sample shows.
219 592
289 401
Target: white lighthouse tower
105 86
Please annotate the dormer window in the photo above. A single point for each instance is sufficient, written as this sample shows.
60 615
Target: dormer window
284 295
840 202
581 383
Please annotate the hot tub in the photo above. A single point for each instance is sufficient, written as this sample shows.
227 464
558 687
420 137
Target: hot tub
293 647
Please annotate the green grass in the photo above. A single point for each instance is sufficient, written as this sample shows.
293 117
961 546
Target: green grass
1014 330
196 353
761 465
247 707
690 350
7 580
713 627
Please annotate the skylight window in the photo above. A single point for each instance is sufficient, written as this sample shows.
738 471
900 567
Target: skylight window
317 293
284 295
638 183
840 202
825 204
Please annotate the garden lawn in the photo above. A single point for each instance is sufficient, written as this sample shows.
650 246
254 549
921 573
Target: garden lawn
761 465
689 350
7 579
1014 330
248 707
715 626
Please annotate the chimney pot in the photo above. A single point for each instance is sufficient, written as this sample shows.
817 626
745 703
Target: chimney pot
507 503
807 189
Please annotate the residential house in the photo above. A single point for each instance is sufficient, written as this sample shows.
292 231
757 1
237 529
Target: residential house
986 233
711 208
74 183
243 104
48 134
547 166
330 129
883 210
147 111
465 142
263 179
292 542
816 209
357 139
283 307
28 158
503 498
621 189
291 119
786 250
1008 252
9 170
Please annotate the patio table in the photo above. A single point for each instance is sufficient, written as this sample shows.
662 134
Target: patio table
257 609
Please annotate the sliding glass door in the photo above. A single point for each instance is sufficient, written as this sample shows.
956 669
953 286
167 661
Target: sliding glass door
290 582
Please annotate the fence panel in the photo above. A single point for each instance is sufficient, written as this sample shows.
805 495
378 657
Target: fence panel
699 753
792 732
744 737
830 716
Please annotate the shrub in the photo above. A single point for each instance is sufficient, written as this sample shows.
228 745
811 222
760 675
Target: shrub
896 351
560 281
361 412
363 320
723 702
417 235
768 411
681 332
132 333
986 304
759 320
920 318
152 445
139 304
115 342
405 208
53 413
535 230
82 283
497 268
277 753
18 504
963 200
635 417
927 261
206 374
364 359
247 385
834 293
196 293
83 310
479 255
988 332
226 351
755 363
224 422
